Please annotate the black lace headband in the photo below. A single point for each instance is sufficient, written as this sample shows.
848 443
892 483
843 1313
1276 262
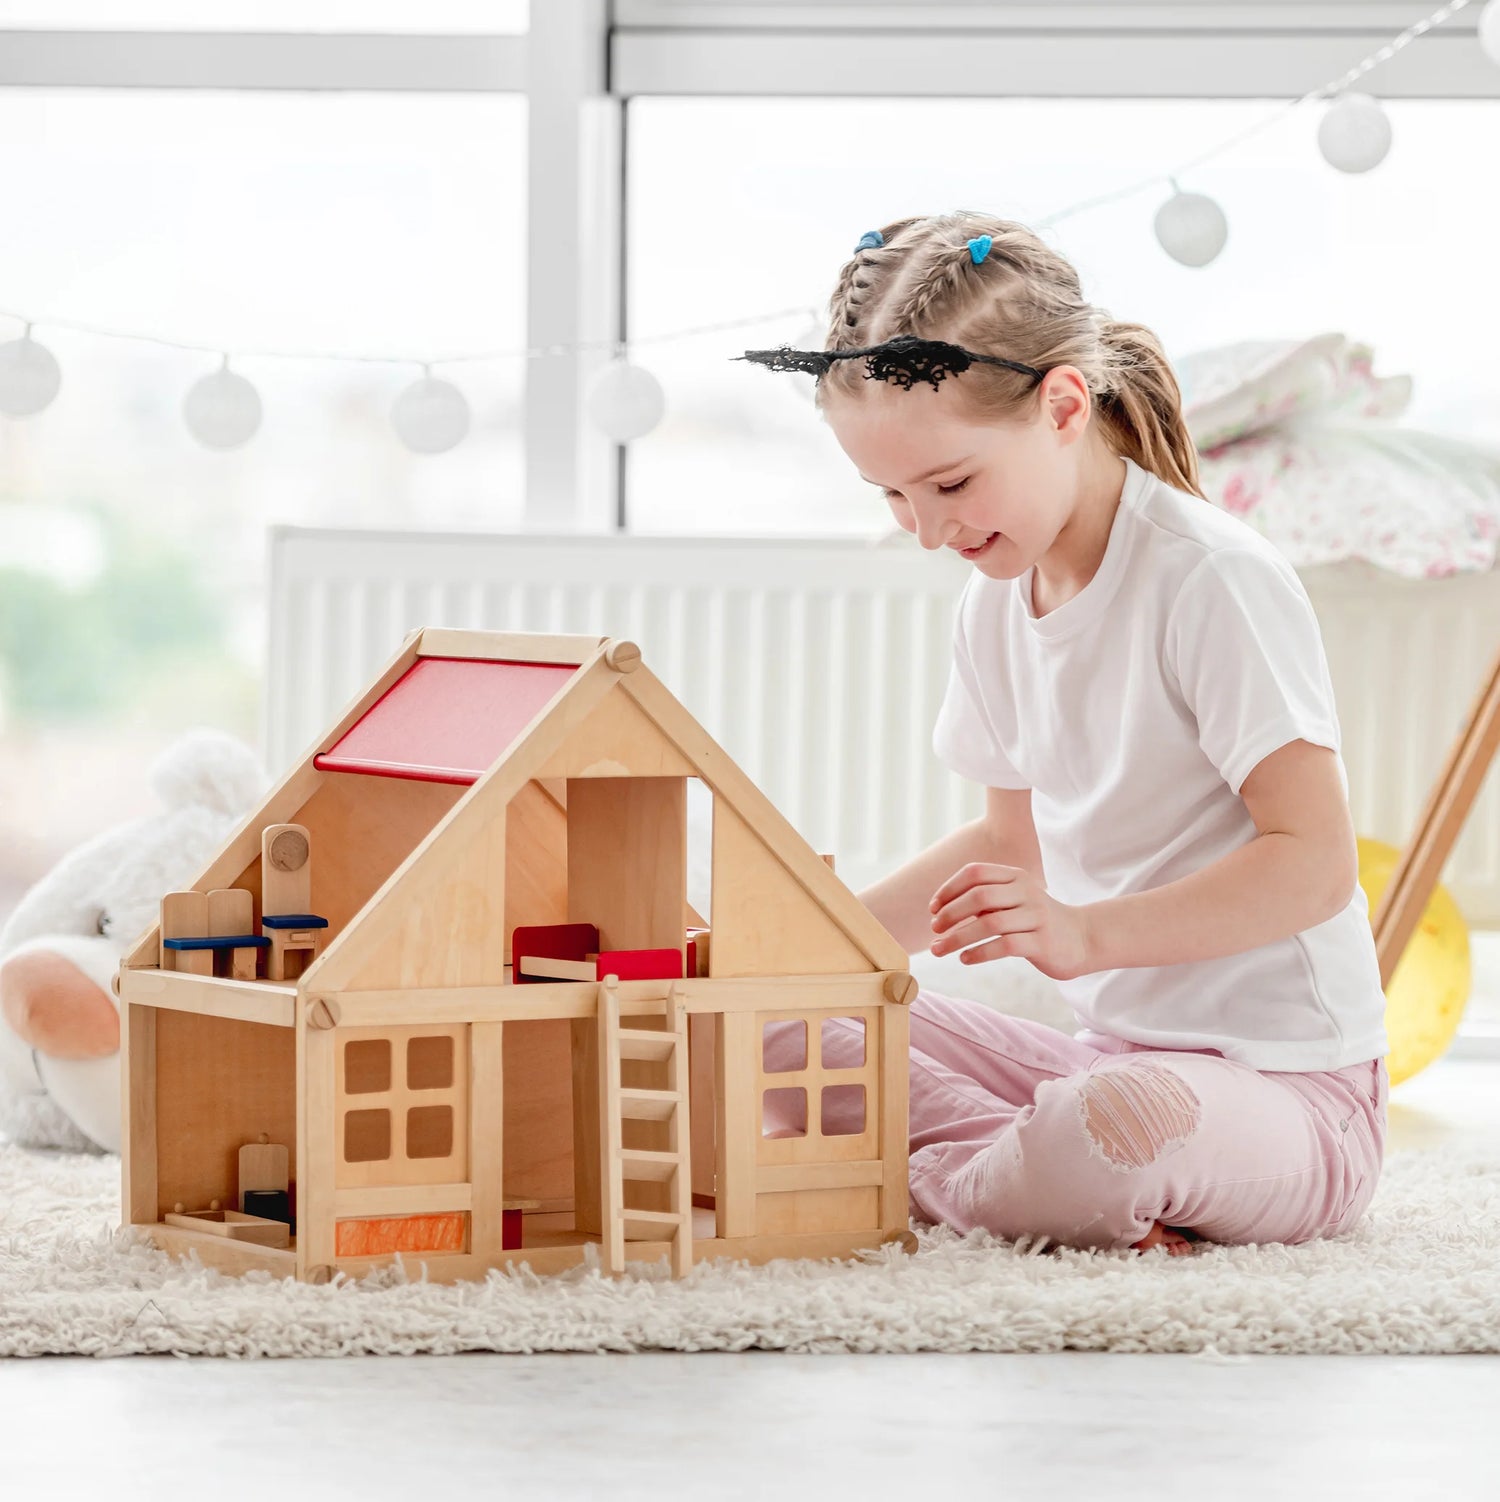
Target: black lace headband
904 360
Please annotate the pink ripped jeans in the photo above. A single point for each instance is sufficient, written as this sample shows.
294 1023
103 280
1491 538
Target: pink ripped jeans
1025 1131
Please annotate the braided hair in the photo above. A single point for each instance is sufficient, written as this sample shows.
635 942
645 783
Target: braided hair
1024 301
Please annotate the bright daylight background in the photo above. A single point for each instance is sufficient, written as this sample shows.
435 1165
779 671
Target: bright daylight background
132 558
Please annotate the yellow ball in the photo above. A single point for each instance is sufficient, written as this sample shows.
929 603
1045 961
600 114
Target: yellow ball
1429 989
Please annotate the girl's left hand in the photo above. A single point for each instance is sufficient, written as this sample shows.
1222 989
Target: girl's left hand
1014 911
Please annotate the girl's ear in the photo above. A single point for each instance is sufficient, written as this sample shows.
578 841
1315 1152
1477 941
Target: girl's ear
1066 401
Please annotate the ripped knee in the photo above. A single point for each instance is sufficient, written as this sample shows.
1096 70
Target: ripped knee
1134 1115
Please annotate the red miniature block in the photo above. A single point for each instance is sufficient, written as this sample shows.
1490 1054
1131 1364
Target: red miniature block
641 964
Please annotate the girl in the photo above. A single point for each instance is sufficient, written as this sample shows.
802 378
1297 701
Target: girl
1138 680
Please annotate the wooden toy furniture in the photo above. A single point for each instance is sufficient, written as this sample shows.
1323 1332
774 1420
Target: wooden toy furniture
286 896
265 1181
437 1096
230 1225
208 933
570 951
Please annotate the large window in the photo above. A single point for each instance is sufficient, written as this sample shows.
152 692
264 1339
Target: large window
739 206
131 557
270 15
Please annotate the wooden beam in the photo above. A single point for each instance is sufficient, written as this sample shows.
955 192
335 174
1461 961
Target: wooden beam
638 998
502 646
138 1172
239 1000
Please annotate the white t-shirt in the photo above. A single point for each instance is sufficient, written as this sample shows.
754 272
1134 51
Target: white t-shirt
1135 711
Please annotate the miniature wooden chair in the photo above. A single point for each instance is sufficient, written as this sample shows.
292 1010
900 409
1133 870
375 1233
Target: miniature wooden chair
286 897
1448 805
208 933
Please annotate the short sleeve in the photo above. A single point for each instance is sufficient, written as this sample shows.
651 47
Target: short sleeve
962 738
1244 646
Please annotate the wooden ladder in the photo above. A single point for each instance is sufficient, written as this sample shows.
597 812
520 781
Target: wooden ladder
618 1163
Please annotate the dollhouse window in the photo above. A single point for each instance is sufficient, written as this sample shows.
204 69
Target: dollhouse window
843 1042
429 1132
783 1047
429 1063
784 1113
403 1103
367 1136
367 1066
827 1094
843 1113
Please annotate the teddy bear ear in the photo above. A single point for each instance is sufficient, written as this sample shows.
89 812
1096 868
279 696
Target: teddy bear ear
205 768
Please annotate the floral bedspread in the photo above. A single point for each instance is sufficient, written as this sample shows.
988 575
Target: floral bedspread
1299 440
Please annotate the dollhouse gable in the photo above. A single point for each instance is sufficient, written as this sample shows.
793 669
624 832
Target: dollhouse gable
580 817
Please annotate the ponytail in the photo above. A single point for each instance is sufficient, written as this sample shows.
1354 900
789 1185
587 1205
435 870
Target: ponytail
1142 407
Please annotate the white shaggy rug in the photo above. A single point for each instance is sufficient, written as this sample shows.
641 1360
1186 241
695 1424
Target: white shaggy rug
1420 1274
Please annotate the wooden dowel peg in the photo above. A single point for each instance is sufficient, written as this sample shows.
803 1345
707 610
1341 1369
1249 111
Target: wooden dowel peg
623 656
323 1013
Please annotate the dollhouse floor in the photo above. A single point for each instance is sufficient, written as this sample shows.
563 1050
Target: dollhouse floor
755 1424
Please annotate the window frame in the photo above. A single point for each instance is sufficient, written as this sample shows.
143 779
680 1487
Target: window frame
580 64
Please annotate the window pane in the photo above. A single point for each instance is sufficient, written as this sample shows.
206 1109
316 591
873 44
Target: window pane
1310 250
434 17
131 557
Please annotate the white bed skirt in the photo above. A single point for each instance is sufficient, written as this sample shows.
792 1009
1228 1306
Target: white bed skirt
819 664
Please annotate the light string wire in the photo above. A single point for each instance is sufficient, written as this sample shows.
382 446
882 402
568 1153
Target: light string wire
619 346
1337 86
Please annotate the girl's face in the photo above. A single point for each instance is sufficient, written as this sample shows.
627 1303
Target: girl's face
998 493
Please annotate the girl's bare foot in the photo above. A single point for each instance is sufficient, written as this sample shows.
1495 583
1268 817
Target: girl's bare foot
1177 1241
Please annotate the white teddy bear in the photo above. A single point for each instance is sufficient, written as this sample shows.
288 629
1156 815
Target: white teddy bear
60 948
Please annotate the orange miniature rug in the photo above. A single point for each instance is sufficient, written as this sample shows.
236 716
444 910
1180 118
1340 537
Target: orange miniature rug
1419 1274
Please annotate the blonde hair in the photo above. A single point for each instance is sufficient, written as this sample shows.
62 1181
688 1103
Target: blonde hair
1022 302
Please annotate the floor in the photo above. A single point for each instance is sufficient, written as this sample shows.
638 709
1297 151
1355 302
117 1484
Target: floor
756 1425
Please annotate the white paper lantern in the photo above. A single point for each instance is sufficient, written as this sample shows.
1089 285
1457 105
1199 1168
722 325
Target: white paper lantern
431 416
29 376
1191 227
1489 31
625 402
1354 133
222 410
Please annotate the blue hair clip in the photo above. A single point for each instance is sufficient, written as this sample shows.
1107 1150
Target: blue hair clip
872 239
979 248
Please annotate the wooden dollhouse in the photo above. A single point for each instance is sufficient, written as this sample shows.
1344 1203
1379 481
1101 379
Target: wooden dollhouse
442 997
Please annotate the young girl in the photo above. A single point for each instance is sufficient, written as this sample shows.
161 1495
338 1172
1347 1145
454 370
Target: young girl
1139 682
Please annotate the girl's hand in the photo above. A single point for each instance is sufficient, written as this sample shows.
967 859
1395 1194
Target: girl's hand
1012 909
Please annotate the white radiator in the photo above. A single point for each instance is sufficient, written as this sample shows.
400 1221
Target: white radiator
819 664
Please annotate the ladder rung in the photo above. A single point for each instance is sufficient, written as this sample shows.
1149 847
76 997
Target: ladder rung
651 1217
654 1166
639 1043
649 1105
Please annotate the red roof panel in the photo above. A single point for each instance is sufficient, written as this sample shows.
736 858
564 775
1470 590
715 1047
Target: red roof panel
446 719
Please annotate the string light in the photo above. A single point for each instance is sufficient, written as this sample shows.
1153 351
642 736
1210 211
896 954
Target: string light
431 416
29 376
624 400
222 410
1355 134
